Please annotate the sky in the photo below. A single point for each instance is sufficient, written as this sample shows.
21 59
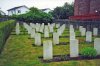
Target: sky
41 4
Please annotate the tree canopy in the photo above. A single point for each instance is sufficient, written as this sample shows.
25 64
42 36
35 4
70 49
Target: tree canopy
63 12
34 15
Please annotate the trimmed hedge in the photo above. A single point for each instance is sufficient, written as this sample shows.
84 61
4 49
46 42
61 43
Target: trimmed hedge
35 16
5 30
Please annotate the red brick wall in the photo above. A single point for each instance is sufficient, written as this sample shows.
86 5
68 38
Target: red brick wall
85 7
94 6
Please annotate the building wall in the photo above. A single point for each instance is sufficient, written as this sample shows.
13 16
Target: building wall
16 11
85 7
2 13
22 10
76 7
11 12
94 6
47 11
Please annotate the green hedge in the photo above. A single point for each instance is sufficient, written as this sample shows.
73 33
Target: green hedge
5 30
34 15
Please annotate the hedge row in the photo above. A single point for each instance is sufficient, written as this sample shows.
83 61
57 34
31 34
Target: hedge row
5 30
34 15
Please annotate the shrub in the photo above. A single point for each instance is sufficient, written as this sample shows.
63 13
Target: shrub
5 30
35 16
89 52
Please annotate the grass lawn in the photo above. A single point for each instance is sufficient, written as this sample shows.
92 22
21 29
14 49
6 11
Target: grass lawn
19 51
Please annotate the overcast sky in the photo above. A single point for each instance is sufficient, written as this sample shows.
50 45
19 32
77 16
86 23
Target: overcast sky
41 4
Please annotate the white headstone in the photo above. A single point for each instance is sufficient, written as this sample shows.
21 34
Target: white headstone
55 38
51 29
74 52
57 25
46 32
61 29
29 29
42 28
37 27
83 31
38 39
97 45
53 24
80 28
95 31
17 29
71 26
47 50
33 33
88 36
32 25
72 33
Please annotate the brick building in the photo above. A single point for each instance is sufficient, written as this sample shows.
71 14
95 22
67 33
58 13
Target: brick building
86 10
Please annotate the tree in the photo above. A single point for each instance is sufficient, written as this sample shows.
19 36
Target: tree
63 12
70 8
57 12
34 15
33 9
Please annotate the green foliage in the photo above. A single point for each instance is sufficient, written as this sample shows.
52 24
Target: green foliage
5 29
89 52
33 9
34 15
0 15
63 12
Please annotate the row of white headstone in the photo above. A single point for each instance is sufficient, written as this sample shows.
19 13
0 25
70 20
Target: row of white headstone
47 28
88 33
73 43
47 45
74 48
83 31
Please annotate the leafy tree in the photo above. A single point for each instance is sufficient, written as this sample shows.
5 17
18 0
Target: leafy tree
63 12
34 15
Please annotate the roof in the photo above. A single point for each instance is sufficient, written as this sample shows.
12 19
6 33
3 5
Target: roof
45 9
2 12
17 7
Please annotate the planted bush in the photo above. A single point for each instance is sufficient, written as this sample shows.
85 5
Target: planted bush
34 15
89 52
5 29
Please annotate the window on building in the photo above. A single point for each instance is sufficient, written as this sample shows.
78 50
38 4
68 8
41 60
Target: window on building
19 11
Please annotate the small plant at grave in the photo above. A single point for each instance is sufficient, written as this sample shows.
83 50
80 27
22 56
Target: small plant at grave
89 52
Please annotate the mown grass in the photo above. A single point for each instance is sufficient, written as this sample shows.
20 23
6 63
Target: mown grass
19 51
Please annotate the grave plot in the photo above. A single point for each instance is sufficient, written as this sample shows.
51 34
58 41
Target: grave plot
20 51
